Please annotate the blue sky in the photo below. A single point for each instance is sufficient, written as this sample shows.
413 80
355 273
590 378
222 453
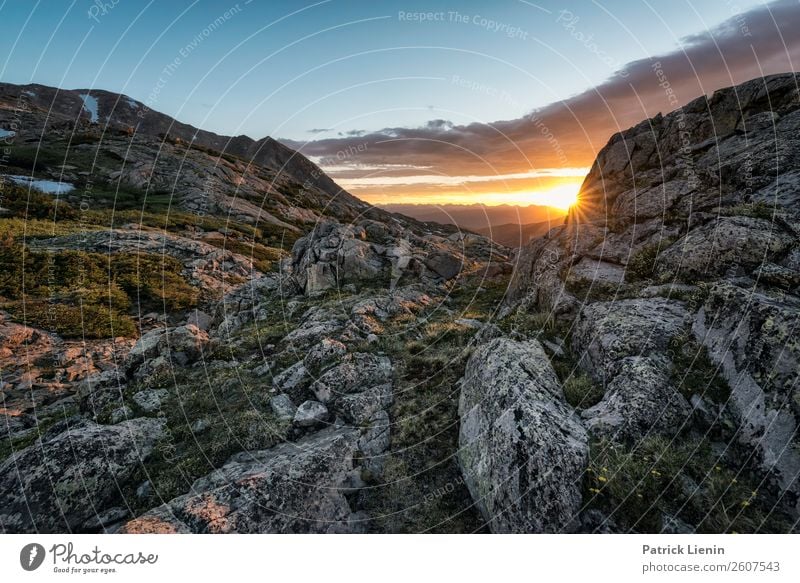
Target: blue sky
341 65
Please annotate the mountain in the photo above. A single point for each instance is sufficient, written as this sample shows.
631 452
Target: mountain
194 342
477 216
171 299
672 297
69 108
514 235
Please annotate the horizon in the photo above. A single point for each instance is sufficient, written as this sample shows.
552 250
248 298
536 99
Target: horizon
495 117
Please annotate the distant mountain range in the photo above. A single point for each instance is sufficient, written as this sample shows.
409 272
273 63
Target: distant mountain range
478 217
515 235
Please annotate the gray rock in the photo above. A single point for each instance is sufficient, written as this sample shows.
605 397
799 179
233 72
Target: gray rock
282 407
753 336
640 401
713 248
444 264
523 450
359 407
374 442
607 332
310 413
323 354
290 488
150 400
72 474
292 380
356 373
121 414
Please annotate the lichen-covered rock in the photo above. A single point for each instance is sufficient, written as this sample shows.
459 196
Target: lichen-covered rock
356 373
606 332
310 413
728 242
754 337
73 473
640 401
333 255
290 488
523 450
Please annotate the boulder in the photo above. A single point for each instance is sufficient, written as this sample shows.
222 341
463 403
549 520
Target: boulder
290 488
72 474
522 449
310 413
606 332
753 337
356 373
640 401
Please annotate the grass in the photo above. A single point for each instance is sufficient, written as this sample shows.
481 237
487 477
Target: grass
9 446
88 295
636 486
694 373
755 210
581 391
235 407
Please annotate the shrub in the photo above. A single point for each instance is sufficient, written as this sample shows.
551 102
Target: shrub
581 391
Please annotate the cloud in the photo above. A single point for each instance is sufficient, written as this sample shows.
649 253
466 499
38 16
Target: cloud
384 181
319 130
568 133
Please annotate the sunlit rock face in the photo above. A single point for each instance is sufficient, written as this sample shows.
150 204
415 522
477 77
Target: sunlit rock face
682 254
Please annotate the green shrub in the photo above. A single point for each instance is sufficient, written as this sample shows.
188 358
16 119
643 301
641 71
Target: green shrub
581 391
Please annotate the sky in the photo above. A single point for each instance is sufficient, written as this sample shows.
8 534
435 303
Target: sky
503 101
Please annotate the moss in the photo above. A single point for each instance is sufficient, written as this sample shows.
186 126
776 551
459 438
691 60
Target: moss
88 295
756 210
235 407
9 446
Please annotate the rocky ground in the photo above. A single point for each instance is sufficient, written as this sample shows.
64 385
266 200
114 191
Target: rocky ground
192 342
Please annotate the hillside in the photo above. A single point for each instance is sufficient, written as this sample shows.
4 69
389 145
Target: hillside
194 340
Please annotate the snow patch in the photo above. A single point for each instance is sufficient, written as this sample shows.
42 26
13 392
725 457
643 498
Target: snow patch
90 105
46 186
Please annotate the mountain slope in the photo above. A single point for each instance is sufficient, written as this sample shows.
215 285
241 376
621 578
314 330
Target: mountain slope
172 316
659 325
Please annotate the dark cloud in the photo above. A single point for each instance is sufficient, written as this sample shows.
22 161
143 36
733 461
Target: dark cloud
762 41
319 130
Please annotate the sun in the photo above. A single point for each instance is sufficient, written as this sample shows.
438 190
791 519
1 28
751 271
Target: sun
561 197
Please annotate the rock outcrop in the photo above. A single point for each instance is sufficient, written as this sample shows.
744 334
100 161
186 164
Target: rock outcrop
676 273
71 477
293 488
522 449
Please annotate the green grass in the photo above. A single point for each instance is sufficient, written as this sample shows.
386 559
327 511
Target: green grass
581 391
88 295
694 373
636 486
236 407
756 210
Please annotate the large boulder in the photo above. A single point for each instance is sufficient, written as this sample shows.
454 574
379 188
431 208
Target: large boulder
640 401
753 336
290 488
333 255
522 449
73 474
